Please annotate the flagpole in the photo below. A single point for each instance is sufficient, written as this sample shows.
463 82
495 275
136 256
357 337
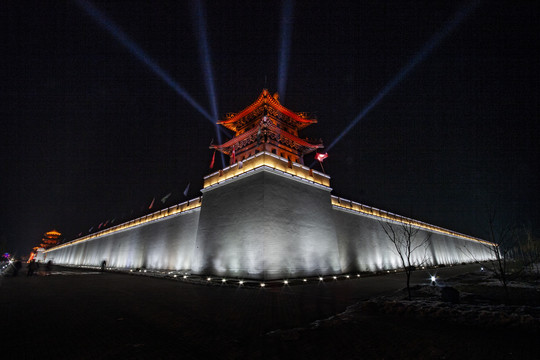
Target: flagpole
322 167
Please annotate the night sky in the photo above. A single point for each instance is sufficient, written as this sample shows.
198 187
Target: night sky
90 133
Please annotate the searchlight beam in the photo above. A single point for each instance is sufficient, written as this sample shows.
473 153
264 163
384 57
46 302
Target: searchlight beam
134 49
426 50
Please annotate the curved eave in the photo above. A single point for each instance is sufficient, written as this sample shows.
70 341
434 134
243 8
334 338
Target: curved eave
265 97
224 148
296 139
233 141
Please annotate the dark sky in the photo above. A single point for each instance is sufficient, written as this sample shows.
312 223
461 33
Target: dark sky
90 133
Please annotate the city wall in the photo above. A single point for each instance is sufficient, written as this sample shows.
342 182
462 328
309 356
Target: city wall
266 219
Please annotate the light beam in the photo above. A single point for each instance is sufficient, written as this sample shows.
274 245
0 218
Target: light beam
422 54
199 13
285 45
134 49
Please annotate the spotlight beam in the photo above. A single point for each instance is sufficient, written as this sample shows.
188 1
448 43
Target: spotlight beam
285 45
134 49
428 48
198 12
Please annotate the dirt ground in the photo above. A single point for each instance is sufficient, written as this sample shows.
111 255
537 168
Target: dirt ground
90 315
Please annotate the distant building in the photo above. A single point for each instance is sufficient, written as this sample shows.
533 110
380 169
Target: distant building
50 239
265 216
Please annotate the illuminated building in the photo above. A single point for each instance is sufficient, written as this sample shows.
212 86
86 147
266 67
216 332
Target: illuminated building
268 126
265 216
50 239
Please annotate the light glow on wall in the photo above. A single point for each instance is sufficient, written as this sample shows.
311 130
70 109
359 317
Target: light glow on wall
269 160
364 209
173 210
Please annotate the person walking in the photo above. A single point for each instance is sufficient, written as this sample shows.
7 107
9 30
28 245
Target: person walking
31 267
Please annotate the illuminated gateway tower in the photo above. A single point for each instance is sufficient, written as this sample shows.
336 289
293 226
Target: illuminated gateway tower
267 126
265 216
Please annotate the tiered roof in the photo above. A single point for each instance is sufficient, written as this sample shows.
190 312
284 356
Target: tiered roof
238 120
266 125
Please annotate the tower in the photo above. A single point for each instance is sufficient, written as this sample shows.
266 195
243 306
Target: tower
266 215
266 125
50 239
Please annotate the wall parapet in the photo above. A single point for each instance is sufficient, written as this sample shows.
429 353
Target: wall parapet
170 211
353 206
269 160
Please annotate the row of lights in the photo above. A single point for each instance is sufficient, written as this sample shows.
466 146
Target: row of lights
242 282
433 278
262 284
224 280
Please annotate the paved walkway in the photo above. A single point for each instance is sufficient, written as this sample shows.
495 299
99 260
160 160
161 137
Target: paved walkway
86 314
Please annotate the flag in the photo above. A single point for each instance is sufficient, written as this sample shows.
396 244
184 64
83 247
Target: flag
320 157
99 227
213 160
152 203
90 230
233 156
187 189
163 199
80 234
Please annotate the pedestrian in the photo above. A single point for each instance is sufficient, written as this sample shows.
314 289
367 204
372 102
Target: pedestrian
31 267
17 265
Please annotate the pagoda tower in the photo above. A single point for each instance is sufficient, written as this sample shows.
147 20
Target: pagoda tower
50 239
267 126
266 215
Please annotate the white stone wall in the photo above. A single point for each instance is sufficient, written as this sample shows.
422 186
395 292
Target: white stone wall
265 225
364 246
166 243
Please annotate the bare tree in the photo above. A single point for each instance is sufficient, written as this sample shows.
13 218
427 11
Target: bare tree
406 245
502 244
528 252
